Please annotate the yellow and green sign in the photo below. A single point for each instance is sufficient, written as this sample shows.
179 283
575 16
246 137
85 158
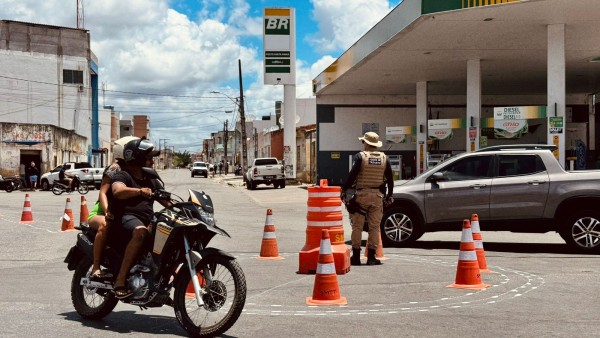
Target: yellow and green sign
519 113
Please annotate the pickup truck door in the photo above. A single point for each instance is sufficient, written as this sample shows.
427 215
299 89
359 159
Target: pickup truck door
519 188
459 189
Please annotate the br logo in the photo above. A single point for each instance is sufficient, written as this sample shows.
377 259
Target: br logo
277 26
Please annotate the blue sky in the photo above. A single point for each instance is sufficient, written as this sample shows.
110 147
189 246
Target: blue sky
163 58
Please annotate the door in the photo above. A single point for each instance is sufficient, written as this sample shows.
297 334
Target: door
520 188
459 189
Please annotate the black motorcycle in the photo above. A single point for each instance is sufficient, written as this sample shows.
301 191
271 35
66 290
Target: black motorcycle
209 285
76 185
9 184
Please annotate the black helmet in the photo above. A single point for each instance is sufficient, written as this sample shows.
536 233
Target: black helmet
138 150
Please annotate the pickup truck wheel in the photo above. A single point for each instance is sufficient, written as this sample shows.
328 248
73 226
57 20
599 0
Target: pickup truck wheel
282 184
581 231
400 226
45 184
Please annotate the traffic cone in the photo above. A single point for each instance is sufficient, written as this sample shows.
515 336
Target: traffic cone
67 219
189 291
326 290
268 247
379 252
478 239
84 213
26 215
467 270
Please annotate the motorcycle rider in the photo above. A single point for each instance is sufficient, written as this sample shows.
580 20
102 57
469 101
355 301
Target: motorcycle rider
100 218
132 205
65 177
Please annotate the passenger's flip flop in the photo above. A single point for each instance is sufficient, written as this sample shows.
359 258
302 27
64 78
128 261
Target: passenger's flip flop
122 292
101 276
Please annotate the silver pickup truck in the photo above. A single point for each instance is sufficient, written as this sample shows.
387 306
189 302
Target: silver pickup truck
519 188
265 170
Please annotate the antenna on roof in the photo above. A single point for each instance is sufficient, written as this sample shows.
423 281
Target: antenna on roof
80 15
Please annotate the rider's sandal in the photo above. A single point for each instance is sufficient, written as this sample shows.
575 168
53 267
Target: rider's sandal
100 275
122 292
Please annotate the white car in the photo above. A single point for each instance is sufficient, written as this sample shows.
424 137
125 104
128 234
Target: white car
200 168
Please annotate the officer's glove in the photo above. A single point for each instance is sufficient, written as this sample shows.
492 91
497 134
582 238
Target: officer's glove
343 196
388 201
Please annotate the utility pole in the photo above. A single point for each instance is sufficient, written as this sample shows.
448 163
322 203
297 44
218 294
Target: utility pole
244 158
225 142
255 143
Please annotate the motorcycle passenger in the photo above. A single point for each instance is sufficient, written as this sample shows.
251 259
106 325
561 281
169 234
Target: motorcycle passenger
65 178
132 205
100 218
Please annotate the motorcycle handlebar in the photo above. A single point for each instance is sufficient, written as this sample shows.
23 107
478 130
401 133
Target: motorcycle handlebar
161 195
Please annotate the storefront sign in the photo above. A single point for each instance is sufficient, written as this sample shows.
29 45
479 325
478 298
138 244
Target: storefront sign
279 42
446 124
519 113
555 125
398 134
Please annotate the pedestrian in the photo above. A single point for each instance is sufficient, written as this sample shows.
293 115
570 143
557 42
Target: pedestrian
370 174
33 173
226 167
221 167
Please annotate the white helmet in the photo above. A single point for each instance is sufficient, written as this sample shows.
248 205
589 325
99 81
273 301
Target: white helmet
119 146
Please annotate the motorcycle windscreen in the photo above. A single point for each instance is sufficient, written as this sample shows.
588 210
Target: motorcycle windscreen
201 199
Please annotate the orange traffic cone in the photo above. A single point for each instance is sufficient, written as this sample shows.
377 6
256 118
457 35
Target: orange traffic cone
26 215
189 291
467 270
478 239
379 252
268 247
84 213
326 290
67 219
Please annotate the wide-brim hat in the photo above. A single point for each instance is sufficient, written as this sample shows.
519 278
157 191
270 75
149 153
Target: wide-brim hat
372 139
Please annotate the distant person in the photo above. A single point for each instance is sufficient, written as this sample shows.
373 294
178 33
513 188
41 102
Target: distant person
22 176
33 173
65 177
371 172
221 167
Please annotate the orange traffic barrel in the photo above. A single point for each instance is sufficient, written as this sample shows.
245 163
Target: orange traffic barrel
324 212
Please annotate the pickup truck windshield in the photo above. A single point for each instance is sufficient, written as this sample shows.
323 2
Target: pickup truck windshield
266 161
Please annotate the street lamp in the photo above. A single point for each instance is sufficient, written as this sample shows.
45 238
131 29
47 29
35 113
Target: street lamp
240 105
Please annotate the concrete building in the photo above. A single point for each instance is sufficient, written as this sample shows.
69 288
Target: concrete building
435 78
48 97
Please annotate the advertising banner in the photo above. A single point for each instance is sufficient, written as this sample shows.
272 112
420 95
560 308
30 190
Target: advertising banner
279 42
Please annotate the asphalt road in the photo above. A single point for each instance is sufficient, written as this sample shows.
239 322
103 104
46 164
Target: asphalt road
540 289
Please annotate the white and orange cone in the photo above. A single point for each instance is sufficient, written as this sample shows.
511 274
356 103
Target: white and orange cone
326 290
268 247
26 215
467 270
67 219
84 212
478 239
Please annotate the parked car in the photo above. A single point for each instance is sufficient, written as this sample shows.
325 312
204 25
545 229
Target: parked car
200 168
519 188
265 170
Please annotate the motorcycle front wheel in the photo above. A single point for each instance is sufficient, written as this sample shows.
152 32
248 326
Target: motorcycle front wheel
57 190
223 302
83 189
90 303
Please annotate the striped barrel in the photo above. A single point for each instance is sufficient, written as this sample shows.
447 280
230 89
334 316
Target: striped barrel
324 211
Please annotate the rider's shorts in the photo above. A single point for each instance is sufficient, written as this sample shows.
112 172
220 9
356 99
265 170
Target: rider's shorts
96 210
130 222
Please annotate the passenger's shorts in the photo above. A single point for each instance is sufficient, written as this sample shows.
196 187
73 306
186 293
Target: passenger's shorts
33 178
96 211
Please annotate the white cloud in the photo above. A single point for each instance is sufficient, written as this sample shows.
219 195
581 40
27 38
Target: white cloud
342 22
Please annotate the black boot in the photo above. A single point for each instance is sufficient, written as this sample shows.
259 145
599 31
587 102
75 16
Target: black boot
371 260
355 259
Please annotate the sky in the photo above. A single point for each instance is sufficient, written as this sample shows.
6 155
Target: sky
163 58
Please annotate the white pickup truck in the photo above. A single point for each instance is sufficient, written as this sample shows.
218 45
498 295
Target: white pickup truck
265 170
87 174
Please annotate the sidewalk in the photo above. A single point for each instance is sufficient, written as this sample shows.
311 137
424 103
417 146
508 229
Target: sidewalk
238 181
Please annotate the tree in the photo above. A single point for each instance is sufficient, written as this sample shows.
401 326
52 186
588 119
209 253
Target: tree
182 159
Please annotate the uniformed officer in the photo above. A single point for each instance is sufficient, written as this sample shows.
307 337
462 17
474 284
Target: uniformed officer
370 174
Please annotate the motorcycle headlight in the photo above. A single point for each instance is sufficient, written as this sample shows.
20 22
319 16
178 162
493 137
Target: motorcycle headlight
206 217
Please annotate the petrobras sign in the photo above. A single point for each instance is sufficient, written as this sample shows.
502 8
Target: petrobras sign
279 45
519 113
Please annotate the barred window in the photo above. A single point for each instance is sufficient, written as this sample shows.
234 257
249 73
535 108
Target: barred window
72 76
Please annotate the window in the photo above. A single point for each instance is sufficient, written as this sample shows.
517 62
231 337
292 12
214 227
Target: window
513 165
470 168
72 76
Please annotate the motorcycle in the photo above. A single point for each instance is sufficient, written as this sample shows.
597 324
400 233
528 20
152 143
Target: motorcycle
59 187
9 184
209 285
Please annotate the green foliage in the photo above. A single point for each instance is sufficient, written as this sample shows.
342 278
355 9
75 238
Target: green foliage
182 159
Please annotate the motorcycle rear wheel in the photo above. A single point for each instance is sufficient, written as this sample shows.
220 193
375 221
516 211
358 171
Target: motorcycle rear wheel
223 302
88 302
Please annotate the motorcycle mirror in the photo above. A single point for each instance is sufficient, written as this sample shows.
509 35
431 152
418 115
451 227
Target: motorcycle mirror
152 174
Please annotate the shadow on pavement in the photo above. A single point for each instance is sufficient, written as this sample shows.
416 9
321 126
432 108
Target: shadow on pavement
130 322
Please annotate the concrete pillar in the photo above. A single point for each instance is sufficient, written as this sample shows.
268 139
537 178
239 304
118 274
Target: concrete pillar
473 104
556 84
289 130
421 127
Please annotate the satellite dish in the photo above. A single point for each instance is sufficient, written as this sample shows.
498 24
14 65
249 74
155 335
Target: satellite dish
281 119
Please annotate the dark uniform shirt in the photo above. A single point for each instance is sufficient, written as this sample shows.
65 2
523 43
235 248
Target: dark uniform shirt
138 206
